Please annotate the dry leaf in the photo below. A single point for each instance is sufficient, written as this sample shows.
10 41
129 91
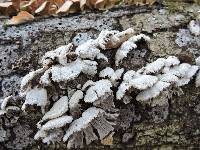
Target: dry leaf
54 7
140 2
44 8
87 4
65 7
100 3
32 6
27 4
82 4
75 1
70 6
75 7
22 17
58 3
16 4
150 2
23 4
108 140
104 4
5 5
6 8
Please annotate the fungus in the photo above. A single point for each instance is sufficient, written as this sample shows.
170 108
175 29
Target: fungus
36 96
92 118
165 73
152 92
26 81
127 46
74 105
58 109
88 50
85 108
111 74
4 105
113 39
140 82
101 88
60 55
46 131
72 70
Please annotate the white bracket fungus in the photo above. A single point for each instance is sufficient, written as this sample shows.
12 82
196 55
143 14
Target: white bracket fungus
113 39
88 50
137 81
106 40
159 64
91 118
58 109
57 123
52 125
5 102
72 70
26 81
128 46
101 88
60 55
74 105
4 105
36 96
153 91
71 110
111 74
75 99
164 74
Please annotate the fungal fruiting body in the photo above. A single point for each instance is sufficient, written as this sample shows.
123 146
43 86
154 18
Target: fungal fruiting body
36 96
127 46
26 81
92 118
165 73
100 88
60 55
58 109
139 82
83 102
64 65
112 75
4 105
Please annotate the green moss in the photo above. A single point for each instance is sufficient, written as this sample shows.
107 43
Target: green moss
160 134
178 5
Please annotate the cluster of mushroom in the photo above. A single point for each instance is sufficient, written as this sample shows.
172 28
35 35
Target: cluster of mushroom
80 109
161 75
50 84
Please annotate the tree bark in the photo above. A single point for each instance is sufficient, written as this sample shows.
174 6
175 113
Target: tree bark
174 125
